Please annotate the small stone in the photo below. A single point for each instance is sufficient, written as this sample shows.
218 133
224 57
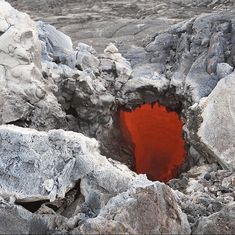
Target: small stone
207 176
111 48
48 184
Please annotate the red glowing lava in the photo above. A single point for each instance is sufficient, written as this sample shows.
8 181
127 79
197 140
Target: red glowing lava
157 137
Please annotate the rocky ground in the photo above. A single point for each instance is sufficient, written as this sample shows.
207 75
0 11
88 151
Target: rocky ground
126 23
59 108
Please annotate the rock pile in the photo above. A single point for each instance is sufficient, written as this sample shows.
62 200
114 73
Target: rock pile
57 181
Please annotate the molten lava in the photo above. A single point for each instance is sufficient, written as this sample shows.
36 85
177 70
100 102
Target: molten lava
157 137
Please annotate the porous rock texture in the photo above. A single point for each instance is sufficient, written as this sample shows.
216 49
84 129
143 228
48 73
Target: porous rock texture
221 222
218 120
61 177
25 95
41 166
38 166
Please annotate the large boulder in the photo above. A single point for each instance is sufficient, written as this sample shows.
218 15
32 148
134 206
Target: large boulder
26 97
44 165
146 207
216 131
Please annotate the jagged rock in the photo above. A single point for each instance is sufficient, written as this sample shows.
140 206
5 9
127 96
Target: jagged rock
188 54
49 164
221 222
25 96
146 207
200 195
14 219
177 66
86 59
216 132
46 165
56 45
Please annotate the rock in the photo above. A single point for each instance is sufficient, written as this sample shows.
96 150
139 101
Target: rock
177 66
25 96
14 219
49 164
201 198
86 58
57 46
127 24
146 207
122 66
207 176
221 222
216 130
223 70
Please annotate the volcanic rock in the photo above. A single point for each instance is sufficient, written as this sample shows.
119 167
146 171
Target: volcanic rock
216 132
221 222
45 84
25 95
46 165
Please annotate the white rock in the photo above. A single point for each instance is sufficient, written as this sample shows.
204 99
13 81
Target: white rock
217 130
22 87
111 48
44 165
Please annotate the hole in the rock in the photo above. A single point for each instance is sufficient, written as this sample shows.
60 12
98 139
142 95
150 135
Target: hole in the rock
53 207
156 134
32 206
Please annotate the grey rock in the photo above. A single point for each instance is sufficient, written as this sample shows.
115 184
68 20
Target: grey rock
86 59
202 198
223 69
221 222
57 46
146 207
178 66
25 95
46 165
14 219
216 130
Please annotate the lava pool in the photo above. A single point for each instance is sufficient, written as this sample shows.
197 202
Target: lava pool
156 134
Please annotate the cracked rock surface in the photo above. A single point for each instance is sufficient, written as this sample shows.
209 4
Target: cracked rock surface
63 161
45 166
127 23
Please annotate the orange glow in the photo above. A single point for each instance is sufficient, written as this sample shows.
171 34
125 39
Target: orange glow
157 137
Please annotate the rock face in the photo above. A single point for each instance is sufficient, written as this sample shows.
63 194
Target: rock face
14 219
157 213
46 165
25 95
217 129
60 176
